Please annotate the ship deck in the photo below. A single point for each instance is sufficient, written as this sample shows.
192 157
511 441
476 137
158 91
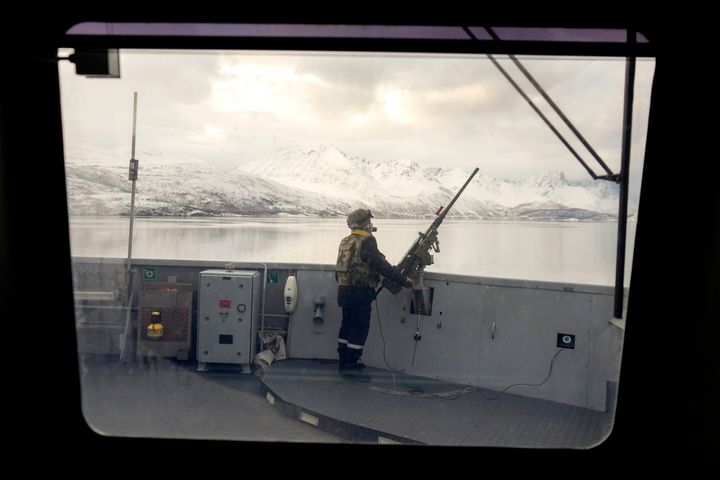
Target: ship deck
308 401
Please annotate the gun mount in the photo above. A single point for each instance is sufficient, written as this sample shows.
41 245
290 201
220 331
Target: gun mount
418 257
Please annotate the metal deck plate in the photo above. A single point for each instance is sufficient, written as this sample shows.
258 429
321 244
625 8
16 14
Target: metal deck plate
395 407
164 398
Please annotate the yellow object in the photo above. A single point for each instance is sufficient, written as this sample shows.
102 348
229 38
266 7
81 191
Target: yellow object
155 330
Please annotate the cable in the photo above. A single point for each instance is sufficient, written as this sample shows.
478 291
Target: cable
382 336
469 389
525 384
457 393
414 350
407 393
417 338
415 394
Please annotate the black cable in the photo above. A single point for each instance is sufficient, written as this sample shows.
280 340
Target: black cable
402 372
466 389
417 338
469 388
525 384
382 336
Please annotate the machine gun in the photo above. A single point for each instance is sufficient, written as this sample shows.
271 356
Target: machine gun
418 257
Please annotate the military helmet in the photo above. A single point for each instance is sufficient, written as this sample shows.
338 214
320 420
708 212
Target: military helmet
359 218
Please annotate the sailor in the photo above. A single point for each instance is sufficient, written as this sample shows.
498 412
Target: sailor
357 271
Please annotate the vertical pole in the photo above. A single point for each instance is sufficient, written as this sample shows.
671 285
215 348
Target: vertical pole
624 180
125 349
133 177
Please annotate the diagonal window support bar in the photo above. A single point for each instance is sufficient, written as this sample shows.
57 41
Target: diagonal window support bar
610 175
554 106
622 178
542 115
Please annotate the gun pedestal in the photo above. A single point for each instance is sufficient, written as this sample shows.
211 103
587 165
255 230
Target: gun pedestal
422 301
422 296
418 257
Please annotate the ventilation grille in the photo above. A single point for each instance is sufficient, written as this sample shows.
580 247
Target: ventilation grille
175 321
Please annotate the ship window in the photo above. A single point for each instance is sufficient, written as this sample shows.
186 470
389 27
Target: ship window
198 164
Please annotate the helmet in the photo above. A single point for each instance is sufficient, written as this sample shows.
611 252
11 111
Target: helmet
359 218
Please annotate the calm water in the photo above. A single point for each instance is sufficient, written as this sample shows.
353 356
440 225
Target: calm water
575 252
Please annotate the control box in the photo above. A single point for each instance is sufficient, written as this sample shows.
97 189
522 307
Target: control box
228 316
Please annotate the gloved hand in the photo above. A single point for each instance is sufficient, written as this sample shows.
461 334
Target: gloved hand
408 282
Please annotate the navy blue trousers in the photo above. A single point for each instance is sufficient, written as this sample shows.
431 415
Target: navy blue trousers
353 334
356 304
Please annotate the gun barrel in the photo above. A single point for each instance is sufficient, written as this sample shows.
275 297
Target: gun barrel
408 262
452 202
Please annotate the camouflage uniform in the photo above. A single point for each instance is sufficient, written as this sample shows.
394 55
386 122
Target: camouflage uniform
357 271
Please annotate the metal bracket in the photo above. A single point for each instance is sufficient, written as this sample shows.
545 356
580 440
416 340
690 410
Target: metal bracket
615 177
618 322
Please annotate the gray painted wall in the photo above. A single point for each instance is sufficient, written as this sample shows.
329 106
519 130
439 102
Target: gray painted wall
458 344
484 332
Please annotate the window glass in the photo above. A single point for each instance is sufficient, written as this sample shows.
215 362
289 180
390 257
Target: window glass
256 159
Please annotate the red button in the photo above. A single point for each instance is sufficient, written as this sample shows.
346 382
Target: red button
224 303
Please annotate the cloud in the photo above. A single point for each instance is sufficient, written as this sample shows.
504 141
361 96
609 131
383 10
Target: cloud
452 110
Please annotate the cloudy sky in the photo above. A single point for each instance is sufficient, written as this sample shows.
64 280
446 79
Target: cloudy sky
437 110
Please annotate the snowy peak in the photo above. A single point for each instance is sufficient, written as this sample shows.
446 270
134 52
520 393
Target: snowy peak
324 164
547 181
322 158
397 168
326 181
325 157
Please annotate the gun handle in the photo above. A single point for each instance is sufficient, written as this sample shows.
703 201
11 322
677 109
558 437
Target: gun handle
393 288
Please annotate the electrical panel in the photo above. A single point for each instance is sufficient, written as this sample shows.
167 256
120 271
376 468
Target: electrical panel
228 316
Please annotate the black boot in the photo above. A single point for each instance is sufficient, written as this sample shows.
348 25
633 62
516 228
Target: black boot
353 371
343 359
349 366
356 375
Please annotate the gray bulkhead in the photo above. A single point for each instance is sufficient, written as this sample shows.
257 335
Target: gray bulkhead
484 332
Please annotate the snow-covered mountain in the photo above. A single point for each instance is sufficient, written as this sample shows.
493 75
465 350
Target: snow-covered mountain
322 181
